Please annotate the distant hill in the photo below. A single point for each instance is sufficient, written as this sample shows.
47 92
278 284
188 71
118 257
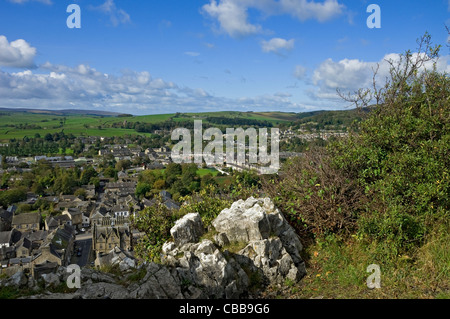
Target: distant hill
60 112
18 123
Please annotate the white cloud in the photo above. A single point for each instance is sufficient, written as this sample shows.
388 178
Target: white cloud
276 45
117 16
19 53
83 87
299 72
305 10
350 75
232 15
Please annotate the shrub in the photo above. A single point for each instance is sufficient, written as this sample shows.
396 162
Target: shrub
401 155
155 222
316 197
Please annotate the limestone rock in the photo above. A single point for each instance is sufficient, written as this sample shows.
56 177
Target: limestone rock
19 279
188 229
51 279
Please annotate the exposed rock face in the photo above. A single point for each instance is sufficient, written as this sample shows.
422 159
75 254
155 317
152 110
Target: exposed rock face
204 265
273 246
269 253
187 229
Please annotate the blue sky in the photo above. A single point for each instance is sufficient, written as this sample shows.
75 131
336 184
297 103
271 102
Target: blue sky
155 56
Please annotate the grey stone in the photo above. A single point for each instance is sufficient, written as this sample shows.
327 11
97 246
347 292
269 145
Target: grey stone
188 229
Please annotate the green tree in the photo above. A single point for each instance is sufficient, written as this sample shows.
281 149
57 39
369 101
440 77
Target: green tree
88 173
155 222
142 189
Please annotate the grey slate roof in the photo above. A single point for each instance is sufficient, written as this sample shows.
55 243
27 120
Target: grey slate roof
26 218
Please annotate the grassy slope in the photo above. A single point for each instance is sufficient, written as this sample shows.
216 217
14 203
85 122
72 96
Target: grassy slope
338 270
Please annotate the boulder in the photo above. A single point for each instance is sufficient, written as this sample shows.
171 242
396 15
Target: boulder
204 265
51 279
273 246
19 279
188 229
127 264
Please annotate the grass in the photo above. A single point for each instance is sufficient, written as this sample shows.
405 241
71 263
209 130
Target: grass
338 270
203 171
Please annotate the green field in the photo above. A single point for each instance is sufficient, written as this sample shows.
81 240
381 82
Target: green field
18 124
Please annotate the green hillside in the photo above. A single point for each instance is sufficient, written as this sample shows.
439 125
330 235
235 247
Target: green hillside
18 124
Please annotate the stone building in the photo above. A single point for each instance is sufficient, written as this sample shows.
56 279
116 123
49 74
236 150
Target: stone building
26 222
57 248
106 238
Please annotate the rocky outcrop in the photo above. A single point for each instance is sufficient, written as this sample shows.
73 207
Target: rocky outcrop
249 246
273 246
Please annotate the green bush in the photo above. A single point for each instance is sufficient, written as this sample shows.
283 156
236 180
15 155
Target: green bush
388 183
155 222
401 155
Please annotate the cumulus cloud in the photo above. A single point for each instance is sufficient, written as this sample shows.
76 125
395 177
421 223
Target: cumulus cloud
277 45
19 53
232 15
305 10
83 87
353 74
116 15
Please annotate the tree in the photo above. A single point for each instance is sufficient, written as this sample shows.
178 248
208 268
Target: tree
12 196
142 189
87 174
80 192
123 165
159 184
155 222
110 172
173 169
207 180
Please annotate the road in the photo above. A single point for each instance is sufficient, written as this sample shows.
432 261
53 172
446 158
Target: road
86 245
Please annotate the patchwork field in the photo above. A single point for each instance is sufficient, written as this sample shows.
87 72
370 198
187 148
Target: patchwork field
20 124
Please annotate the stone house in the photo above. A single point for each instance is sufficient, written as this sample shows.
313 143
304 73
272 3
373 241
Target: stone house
75 215
9 238
106 238
90 191
120 210
26 222
54 222
121 189
36 238
23 248
57 247
86 220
